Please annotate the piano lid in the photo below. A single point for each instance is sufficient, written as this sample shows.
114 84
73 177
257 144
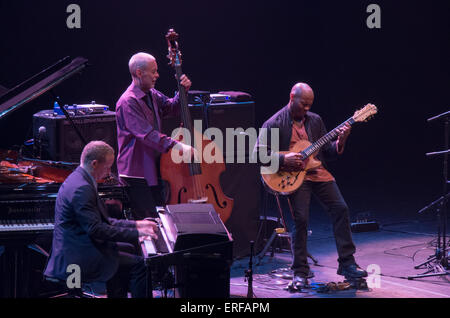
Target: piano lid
18 96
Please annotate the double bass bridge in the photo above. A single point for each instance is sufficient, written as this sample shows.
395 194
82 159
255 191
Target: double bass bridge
201 200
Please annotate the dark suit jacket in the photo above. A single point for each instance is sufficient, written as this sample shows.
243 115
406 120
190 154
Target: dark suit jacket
84 234
314 126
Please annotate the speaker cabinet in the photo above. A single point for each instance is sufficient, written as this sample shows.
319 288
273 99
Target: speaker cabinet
60 142
231 115
241 181
171 123
222 116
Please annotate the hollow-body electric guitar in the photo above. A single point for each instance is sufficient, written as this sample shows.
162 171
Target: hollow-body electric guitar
287 182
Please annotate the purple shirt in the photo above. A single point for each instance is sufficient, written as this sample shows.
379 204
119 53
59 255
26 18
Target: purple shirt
140 144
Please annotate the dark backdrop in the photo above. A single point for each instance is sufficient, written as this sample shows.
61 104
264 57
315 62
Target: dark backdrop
264 47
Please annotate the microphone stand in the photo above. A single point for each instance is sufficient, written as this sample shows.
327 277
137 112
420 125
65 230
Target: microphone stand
249 273
440 259
72 123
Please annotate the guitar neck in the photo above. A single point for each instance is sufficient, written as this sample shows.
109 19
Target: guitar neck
322 141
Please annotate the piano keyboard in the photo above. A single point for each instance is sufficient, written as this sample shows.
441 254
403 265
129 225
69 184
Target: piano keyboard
152 247
26 225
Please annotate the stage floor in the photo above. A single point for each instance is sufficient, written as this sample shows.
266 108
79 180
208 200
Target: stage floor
399 245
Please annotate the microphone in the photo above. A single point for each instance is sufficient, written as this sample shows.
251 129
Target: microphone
42 131
41 134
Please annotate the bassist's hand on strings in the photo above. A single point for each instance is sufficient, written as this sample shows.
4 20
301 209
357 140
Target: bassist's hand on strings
187 149
185 82
293 162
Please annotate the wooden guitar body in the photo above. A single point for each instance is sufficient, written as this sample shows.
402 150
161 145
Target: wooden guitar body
287 182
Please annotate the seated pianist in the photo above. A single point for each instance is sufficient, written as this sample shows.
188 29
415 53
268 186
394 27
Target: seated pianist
84 235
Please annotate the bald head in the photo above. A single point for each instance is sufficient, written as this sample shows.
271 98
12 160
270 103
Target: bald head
139 61
302 98
143 70
301 88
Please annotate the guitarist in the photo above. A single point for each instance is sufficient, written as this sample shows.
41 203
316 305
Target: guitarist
296 122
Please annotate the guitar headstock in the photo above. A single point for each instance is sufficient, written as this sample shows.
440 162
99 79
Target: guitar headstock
365 113
174 54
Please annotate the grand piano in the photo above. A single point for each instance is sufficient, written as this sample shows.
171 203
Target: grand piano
28 190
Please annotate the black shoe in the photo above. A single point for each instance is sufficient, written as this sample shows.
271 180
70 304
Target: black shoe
352 270
300 282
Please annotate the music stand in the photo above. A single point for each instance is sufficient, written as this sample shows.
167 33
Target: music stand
437 264
142 202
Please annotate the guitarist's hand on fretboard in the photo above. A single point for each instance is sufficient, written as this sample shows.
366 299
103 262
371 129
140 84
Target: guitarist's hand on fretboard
293 162
343 132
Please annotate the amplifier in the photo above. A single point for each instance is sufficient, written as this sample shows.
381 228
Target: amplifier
57 140
219 115
231 115
242 182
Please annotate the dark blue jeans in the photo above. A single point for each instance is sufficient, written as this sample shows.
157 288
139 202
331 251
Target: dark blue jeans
331 198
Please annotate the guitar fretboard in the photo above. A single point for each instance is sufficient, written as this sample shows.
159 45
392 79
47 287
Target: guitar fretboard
322 141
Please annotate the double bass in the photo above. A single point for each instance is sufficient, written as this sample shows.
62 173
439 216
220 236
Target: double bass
195 181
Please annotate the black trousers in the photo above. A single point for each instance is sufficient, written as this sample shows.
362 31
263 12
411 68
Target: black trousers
131 274
331 198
